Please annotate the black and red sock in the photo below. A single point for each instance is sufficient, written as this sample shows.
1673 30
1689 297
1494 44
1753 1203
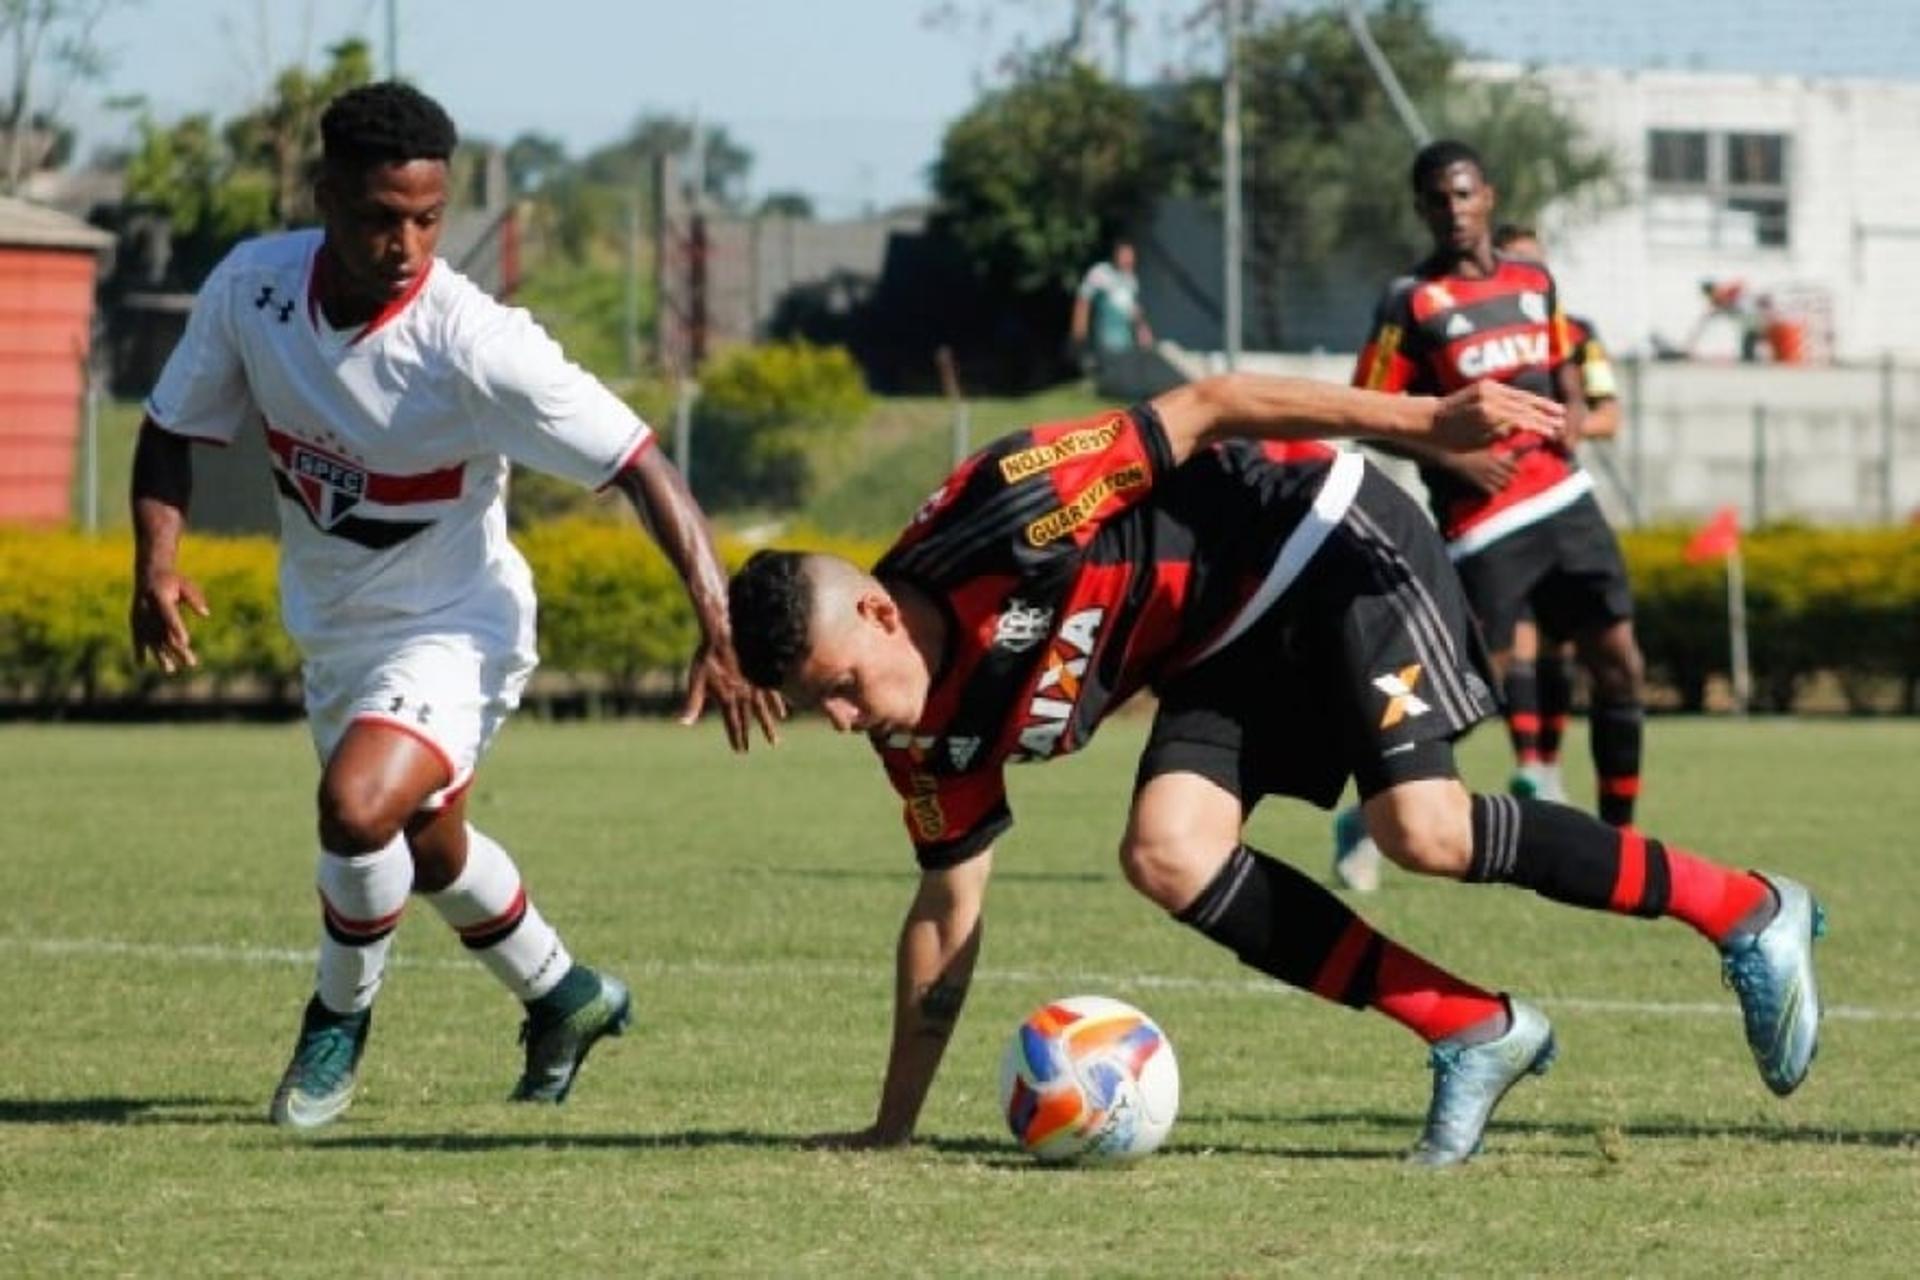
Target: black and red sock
1617 729
1553 677
1289 927
1563 854
1522 689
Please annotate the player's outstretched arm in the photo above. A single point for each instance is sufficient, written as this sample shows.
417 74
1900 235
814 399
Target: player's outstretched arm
1259 406
939 943
161 492
660 496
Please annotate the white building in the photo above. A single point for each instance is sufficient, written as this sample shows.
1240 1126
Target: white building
1807 190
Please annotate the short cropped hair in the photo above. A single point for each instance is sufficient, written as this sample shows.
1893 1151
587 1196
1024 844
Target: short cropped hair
1507 232
1435 157
385 123
770 601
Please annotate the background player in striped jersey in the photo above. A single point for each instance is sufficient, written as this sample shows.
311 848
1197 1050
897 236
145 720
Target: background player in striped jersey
1539 683
393 394
1298 619
1519 517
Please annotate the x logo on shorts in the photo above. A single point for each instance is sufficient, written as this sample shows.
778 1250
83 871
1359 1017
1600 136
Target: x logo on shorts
1401 702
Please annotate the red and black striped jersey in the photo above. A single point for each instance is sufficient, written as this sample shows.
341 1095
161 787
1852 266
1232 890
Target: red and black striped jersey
1075 565
1596 367
1435 333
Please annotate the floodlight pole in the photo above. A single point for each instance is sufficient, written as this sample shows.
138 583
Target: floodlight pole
1233 249
1383 72
393 39
1742 673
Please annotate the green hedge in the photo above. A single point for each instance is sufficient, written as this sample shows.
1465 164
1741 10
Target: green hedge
1845 601
612 612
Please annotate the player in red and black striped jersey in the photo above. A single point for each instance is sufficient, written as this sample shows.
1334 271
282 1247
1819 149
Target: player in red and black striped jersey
1539 682
1519 518
1297 618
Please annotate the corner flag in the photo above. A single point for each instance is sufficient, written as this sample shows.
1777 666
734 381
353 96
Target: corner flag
1717 539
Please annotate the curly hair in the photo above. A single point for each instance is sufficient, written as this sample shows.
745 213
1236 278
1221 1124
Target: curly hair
385 123
771 603
1436 157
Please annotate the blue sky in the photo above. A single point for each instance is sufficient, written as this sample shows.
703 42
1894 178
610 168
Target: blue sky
847 99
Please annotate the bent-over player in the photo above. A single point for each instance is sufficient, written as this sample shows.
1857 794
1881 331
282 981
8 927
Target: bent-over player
1298 618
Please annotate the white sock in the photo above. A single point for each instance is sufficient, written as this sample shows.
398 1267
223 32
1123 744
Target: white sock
487 906
361 898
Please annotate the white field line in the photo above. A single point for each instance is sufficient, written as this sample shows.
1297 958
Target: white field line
216 953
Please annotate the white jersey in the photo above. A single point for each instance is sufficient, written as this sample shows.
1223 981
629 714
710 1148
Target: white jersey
390 444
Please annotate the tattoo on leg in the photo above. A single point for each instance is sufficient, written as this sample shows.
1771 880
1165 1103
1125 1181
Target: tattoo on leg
940 1007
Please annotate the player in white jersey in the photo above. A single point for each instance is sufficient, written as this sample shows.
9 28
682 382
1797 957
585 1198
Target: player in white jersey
394 396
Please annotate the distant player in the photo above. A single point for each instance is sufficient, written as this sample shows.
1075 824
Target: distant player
1297 617
1519 518
1108 317
393 395
1539 683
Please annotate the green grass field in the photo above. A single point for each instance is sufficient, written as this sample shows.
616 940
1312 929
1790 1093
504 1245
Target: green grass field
158 908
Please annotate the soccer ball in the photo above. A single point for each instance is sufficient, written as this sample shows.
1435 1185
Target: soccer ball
1089 1080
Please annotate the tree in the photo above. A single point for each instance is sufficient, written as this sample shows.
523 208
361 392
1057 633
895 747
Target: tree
217 185
533 160
786 204
1326 158
1035 177
629 162
282 136
50 45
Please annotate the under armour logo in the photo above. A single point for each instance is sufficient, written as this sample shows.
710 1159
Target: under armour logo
421 713
1402 704
282 311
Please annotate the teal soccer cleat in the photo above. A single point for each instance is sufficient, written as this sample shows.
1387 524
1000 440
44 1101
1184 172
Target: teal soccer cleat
1470 1079
1356 858
558 1040
318 1084
1771 970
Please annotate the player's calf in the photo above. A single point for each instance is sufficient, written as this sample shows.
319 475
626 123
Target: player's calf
1424 826
569 1006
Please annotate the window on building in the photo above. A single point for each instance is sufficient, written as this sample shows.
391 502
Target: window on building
1717 190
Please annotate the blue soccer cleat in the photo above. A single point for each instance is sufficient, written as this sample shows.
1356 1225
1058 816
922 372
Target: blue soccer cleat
318 1084
1538 782
1470 1079
557 1044
1356 858
1771 970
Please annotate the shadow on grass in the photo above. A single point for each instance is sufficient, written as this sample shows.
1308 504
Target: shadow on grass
990 1151
1588 1133
117 1110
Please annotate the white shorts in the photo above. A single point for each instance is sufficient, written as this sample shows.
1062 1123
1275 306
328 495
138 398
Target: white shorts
448 690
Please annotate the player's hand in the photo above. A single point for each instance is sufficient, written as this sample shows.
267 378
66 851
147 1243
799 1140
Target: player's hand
159 631
1477 415
715 674
1485 470
868 1139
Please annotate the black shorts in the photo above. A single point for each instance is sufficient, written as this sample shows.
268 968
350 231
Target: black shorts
1368 667
1566 568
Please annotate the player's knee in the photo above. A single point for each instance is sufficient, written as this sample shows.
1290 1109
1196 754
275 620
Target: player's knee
1424 829
1166 867
356 817
1619 670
